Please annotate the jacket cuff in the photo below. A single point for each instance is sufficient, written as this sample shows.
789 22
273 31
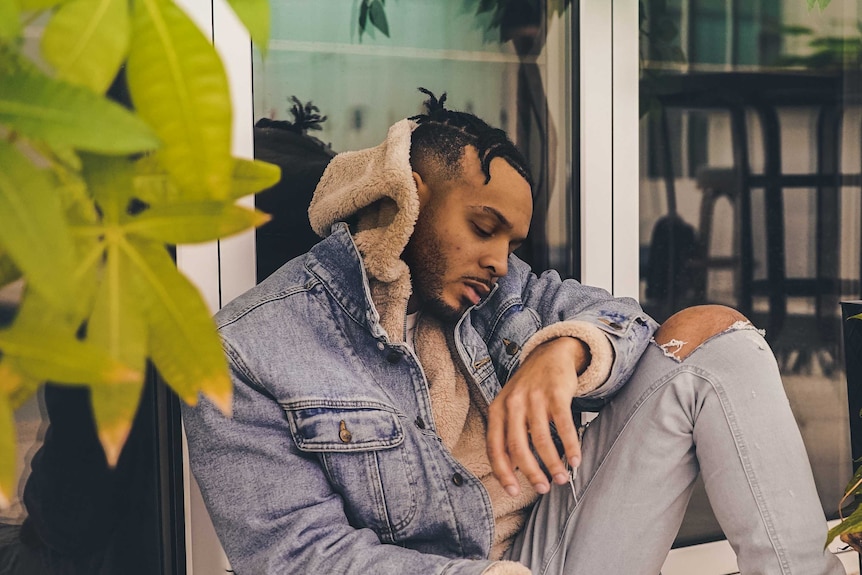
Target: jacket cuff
601 351
507 568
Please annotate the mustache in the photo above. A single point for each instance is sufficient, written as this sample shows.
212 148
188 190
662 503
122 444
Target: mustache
484 281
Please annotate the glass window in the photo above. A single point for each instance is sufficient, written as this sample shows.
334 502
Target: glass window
750 195
352 76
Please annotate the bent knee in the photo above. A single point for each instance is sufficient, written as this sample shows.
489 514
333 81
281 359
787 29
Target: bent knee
686 330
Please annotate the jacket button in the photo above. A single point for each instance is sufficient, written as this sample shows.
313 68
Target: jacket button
393 357
458 479
420 423
511 347
344 434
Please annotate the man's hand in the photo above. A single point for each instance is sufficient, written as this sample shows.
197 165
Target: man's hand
539 393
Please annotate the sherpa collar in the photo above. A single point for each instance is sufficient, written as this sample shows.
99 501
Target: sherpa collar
375 184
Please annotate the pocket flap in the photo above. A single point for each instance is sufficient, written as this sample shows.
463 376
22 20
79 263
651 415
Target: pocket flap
344 427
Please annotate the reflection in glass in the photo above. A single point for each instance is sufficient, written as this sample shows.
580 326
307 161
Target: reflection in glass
509 65
750 192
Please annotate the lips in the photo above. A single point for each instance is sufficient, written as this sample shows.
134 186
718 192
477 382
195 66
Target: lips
476 291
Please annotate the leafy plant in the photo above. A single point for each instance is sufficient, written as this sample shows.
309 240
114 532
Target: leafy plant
91 194
374 12
850 527
853 523
827 52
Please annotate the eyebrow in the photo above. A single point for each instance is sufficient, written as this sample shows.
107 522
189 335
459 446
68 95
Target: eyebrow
496 213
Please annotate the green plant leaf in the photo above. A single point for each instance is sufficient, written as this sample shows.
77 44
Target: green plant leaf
110 181
117 325
857 316
114 408
179 327
178 85
9 272
87 40
851 524
33 231
254 14
252 176
8 450
18 385
194 222
363 17
38 5
10 20
153 186
44 354
69 116
377 15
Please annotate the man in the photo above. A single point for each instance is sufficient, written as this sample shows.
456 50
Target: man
403 395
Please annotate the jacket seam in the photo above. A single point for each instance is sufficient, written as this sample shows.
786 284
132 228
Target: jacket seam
274 297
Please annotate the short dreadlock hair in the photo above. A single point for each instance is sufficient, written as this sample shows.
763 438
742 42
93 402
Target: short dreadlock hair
442 135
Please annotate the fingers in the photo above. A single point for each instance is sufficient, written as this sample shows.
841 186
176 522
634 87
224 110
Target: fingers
497 454
513 423
567 431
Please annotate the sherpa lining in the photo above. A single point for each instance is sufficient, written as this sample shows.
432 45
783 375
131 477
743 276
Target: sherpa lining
380 179
601 351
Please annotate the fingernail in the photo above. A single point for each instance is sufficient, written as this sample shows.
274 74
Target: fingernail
561 478
541 488
574 461
512 490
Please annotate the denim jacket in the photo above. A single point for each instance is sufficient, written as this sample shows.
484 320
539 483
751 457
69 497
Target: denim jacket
330 462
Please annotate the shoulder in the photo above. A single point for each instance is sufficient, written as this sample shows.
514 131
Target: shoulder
291 279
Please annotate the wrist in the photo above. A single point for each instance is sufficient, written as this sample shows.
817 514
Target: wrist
573 348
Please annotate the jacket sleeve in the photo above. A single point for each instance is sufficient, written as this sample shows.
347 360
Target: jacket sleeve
272 505
616 330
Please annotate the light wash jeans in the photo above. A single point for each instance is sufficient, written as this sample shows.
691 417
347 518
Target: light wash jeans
721 412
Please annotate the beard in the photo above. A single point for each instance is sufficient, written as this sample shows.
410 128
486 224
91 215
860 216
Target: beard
428 265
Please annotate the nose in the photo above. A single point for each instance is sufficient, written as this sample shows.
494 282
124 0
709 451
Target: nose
496 259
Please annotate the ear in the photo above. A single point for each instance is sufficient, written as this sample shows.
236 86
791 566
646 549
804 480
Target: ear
422 189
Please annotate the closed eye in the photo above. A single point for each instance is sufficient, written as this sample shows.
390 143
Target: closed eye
482 232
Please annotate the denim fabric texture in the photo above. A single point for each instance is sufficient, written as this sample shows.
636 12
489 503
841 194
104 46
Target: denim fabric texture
331 463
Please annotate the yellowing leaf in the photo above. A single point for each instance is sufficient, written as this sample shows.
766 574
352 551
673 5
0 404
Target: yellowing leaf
38 5
8 449
194 222
109 179
117 323
117 326
252 176
10 20
65 115
33 231
17 384
87 40
183 342
48 355
114 408
154 186
179 86
9 272
851 524
254 14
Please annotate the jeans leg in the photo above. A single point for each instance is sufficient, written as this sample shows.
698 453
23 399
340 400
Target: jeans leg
723 412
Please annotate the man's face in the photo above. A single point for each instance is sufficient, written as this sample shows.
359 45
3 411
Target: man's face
464 234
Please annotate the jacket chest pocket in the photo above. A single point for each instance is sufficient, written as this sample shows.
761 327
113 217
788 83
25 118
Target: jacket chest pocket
361 449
